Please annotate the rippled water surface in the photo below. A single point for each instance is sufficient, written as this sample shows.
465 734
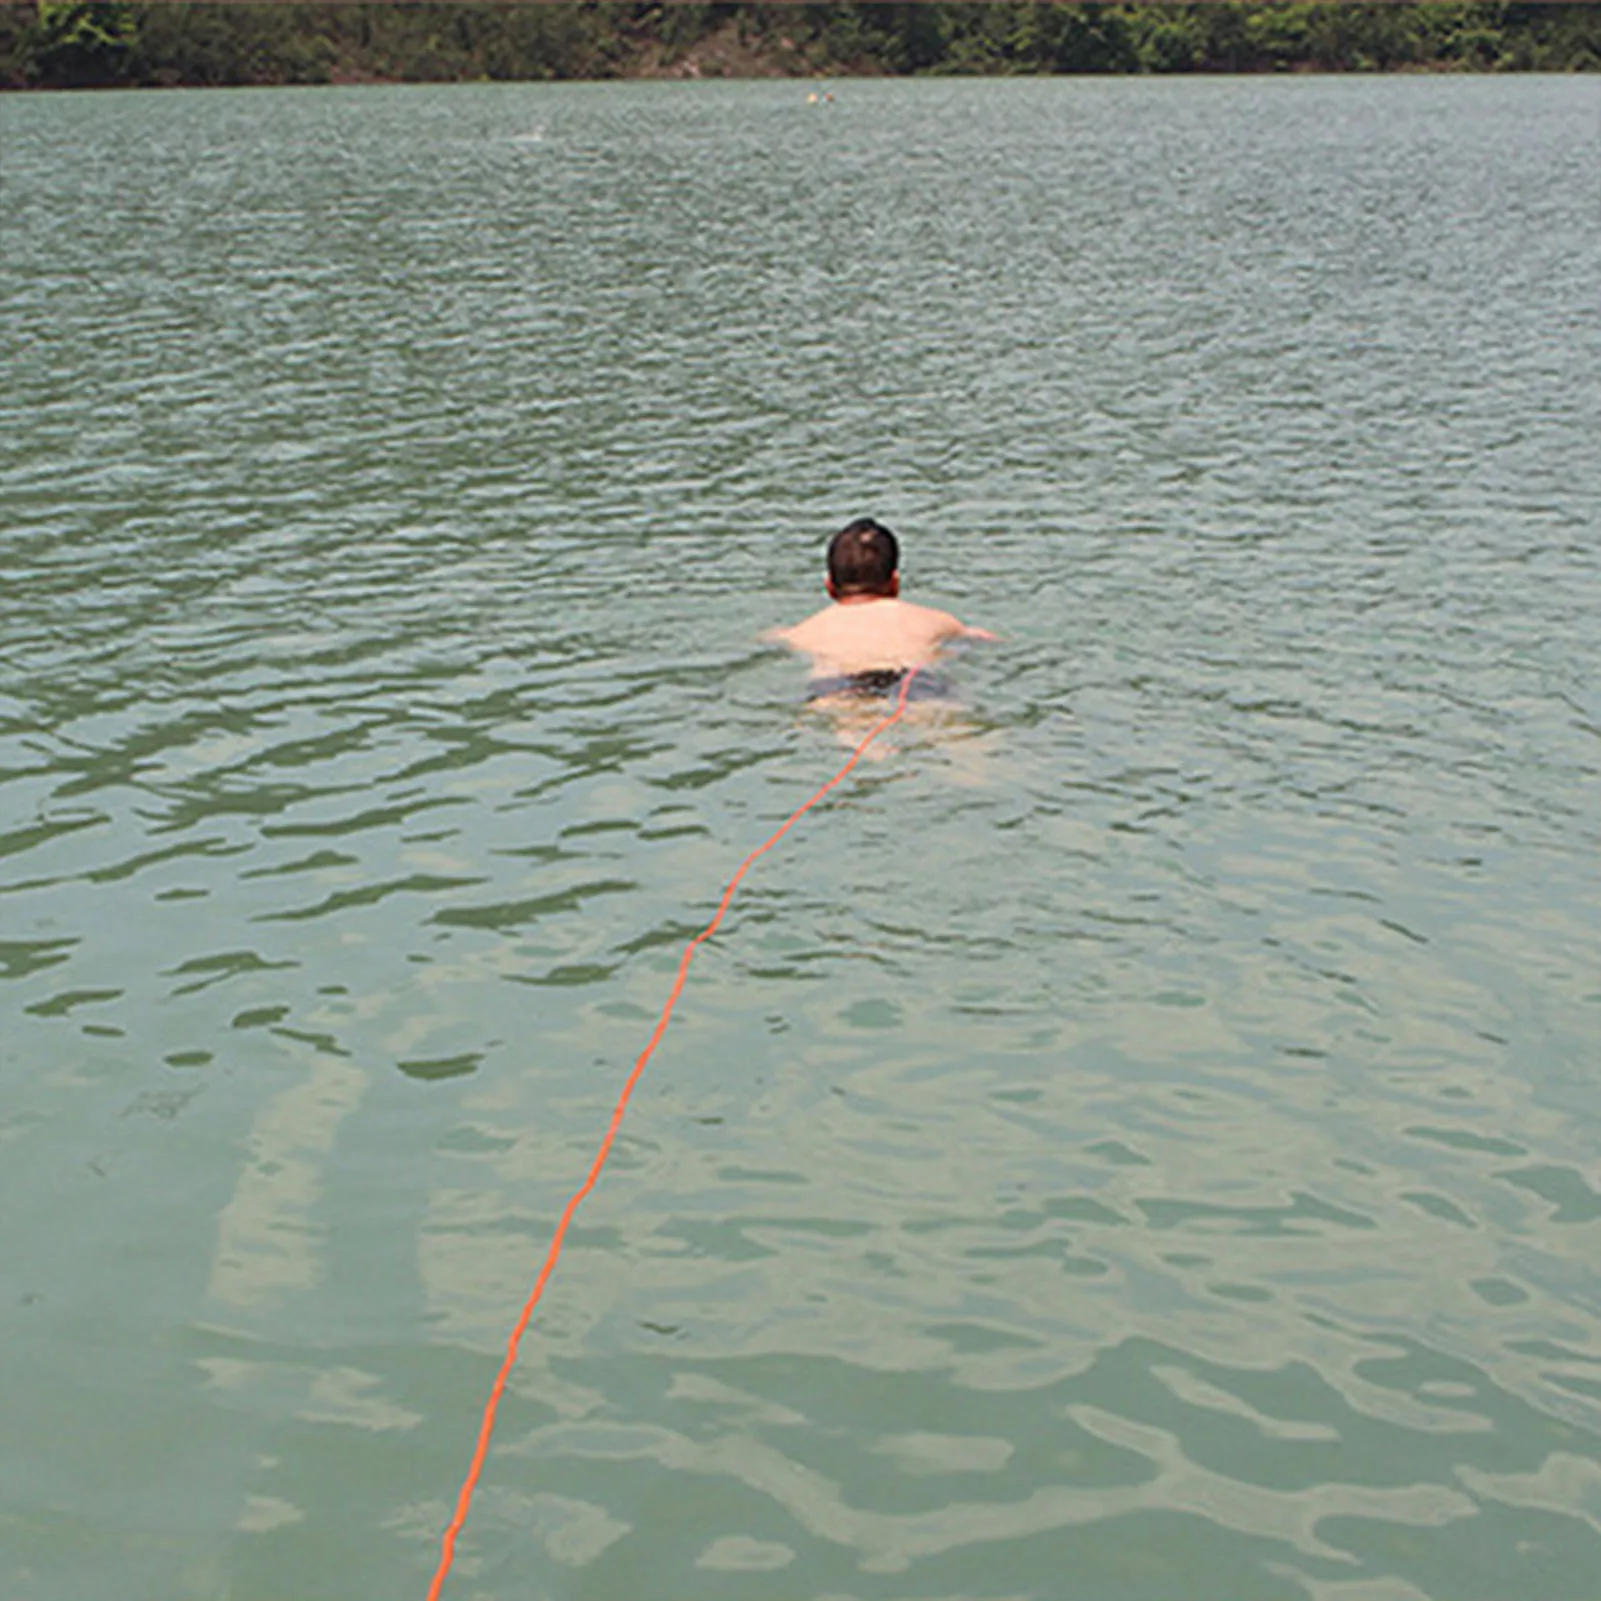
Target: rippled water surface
1141 1140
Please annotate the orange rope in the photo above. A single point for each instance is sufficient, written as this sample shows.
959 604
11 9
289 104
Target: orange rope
487 1428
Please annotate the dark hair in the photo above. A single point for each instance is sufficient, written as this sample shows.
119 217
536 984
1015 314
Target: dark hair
862 558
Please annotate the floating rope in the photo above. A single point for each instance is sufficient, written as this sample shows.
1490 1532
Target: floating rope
487 1428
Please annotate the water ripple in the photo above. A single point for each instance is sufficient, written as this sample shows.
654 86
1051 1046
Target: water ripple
1140 1138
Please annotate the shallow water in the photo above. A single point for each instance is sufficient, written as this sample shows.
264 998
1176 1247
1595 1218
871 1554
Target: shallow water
1142 1140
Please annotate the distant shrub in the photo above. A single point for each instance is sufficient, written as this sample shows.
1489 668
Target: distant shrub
81 43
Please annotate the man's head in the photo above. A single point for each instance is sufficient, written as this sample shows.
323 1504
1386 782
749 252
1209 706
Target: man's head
863 562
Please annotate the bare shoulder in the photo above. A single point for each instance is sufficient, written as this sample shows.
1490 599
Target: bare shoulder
798 634
943 624
942 620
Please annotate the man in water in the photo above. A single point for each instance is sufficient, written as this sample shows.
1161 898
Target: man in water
869 639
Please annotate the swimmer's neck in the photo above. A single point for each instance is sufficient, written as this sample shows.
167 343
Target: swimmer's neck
859 597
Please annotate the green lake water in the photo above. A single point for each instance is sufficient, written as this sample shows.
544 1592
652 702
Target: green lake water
1141 1141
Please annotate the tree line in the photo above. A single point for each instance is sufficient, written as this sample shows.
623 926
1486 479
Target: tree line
108 43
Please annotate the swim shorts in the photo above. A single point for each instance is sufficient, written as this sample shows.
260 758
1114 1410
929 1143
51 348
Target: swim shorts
883 682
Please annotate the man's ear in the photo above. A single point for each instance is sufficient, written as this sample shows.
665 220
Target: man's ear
833 588
894 586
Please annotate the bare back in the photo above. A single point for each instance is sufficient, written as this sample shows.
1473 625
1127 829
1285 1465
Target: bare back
877 635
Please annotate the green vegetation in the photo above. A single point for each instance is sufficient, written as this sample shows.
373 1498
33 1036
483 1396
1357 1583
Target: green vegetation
95 43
